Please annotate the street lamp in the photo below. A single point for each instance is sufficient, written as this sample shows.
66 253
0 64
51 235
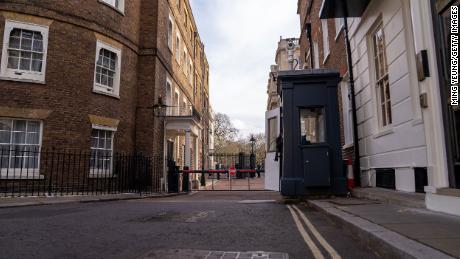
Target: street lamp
252 157
253 142
159 109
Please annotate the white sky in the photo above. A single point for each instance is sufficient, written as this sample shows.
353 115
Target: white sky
240 38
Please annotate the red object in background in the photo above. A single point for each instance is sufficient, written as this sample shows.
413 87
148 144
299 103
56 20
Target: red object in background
350 176
232 171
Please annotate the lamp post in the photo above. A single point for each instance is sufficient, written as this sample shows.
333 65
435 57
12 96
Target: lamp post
252 157
253 141
159 111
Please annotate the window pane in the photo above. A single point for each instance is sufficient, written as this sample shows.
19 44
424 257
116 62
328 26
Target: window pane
19 125
38 46
15 42
24 64
37 56
13 53
104 80
13 63
37 65
38 36
27 34
5 137
15 33
33 138
312 122
26 54
26 44
19 137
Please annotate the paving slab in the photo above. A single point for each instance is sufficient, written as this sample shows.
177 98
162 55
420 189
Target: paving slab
411 232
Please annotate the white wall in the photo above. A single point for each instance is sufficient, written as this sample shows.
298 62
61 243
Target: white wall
272 175
402 145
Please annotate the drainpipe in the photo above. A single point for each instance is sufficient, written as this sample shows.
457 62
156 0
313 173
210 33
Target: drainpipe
356 164
310 43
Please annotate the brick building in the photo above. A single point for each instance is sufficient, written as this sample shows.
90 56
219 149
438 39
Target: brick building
93 77
324 47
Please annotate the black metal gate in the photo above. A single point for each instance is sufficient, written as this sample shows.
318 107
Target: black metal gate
227 172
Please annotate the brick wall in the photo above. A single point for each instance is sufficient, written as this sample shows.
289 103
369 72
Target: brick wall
337 56
68 91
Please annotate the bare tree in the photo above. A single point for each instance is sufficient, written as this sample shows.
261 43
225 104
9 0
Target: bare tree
224 131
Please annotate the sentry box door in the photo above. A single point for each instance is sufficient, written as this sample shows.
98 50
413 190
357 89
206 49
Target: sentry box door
314 146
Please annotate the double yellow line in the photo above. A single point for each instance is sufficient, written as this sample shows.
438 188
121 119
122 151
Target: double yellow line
306 237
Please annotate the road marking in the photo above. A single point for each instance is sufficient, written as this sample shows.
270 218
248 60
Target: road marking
318 236
313 248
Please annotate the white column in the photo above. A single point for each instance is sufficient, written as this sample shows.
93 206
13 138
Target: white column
432 116
187 148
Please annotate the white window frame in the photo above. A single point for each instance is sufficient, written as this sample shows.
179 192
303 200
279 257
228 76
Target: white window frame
178 49
381 100
316 55
185 61
112 3
95 172
170 33
191 71
169 99
325 34
177 104
24 173
16 74
347 114
102 89
184 102
339 27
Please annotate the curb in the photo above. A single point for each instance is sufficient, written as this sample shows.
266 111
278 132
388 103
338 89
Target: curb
91 199
386 243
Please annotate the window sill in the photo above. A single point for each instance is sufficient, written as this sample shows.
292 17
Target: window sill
24 80
18 175
113 7
384 132
98 91
98 175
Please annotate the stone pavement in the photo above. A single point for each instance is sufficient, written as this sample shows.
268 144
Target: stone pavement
384 224
205 254
9 202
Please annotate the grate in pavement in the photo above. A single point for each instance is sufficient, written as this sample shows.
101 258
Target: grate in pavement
208 254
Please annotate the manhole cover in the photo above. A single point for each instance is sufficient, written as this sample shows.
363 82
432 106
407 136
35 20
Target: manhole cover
208 254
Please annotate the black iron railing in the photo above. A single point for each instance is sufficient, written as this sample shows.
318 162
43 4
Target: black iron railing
28 172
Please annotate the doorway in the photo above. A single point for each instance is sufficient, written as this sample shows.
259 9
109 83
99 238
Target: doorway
451 113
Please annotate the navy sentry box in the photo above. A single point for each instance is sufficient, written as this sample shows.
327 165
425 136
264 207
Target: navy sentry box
312 154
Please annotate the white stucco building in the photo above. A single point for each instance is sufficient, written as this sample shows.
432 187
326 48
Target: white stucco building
406 128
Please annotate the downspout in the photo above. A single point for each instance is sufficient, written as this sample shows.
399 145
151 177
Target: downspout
357 163
310 43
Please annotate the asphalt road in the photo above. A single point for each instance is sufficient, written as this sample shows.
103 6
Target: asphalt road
206 221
